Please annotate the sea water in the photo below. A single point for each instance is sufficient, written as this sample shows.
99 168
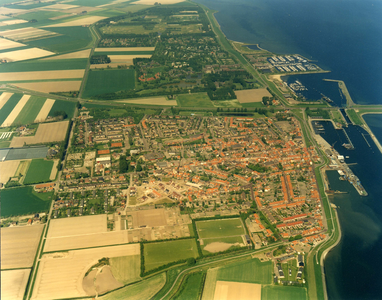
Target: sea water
344 37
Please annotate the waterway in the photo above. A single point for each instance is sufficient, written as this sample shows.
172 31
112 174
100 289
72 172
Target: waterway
345 38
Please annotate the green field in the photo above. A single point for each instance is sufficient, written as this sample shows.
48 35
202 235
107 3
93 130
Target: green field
69 40
30 111
250 271
194 100
90 2
354 117
190 287
158 254
9 106
61 105
274 292
22 201
142 290
220 228
44 65
4 144
108 81
126 269
40 15
39 171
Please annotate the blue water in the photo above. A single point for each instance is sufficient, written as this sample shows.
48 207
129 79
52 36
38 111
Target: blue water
344 37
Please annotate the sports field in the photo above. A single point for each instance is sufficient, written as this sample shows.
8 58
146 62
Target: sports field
220 228
249 96
108 81
22 201
126 269
141 290
274 292
194 100
250 271
19 246
213 245
158 254
38 171
30 111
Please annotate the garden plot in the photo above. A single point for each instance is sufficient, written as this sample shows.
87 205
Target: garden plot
44 112
14 283
237 290
4 98
15 112
79 22
24 54
7 44
26 33
46 133
60 275
249 96
51 86
41 75
19 246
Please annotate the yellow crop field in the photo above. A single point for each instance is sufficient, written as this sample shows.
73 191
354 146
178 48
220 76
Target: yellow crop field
19 55
14 283
25 33
119 49
15 112
19 246
8 169
4 97
41 75
79 22
77 54
51 86
60 275
237 290
46 133
44 111
248 96
151 101
7 44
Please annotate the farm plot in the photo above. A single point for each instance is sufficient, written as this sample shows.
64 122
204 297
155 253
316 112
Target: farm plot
191 287
67 106
12 22
249 96
24 54
126 269
39 171
220 228
250 271
73 55
44 111
108 81
274 292
29 112
127 58
51 86
60 6
46 133
151 101
15 111
194 100
41 75
77 226
14 283
60 275
8 106
4 97
7 44
8 170
19 246
78 22
27 153
146 289
23 34
237 290
158 254
82 241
